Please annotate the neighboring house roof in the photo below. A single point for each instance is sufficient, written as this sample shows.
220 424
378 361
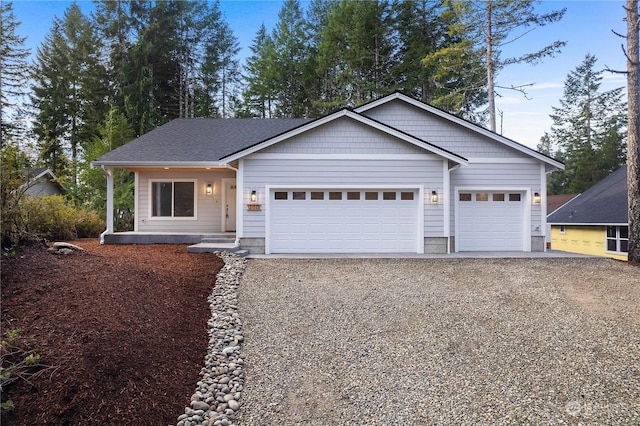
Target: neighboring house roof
605 203
554 202
41 181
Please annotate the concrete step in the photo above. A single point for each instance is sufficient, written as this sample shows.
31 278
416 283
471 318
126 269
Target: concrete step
213 247
220 239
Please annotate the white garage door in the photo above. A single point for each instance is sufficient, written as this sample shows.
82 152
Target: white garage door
343 221
490 221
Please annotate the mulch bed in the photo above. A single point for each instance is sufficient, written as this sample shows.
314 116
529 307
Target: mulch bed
124 328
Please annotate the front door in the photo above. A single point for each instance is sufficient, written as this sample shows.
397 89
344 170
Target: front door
229 205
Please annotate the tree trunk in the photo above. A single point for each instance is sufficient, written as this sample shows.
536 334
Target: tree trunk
490 89
633 150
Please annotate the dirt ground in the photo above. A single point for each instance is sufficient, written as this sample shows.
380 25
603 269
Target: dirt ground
122 328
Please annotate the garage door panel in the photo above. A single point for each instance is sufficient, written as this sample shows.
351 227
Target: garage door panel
495 224
343 225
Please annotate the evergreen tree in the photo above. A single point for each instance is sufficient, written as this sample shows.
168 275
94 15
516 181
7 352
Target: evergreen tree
290 41
632 54
113 23
153 71
259 95
588 130
91 191
220 66
354 54
69 88
451 72
14 73
504 22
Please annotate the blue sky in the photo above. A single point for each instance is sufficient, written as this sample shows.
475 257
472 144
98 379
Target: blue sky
587 28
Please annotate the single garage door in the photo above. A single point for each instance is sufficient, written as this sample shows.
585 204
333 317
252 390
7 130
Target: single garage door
343 221
490 221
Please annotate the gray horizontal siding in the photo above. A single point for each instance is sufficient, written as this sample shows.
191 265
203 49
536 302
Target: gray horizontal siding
440 132
209 210
344 136
258 173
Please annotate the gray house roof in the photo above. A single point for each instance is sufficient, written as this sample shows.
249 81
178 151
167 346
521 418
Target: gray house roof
196 140
605 203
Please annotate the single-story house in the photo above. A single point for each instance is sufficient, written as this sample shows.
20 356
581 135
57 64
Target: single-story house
40 181
393 175
595 222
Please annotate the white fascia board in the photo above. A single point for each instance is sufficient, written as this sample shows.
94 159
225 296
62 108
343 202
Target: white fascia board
284 136
43 173
354 116
473 127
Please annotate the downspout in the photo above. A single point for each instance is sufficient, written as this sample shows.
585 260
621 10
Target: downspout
449 203
109 230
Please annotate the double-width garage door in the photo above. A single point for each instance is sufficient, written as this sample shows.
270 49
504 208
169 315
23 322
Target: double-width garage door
490 221
343 220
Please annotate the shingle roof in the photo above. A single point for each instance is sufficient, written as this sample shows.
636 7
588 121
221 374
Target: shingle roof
604 203
554 202
198 140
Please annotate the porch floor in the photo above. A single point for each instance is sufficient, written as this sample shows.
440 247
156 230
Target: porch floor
132 237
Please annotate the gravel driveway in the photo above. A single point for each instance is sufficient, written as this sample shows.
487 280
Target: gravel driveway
433 341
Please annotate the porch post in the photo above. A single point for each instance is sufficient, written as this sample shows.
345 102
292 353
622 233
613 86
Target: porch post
109 230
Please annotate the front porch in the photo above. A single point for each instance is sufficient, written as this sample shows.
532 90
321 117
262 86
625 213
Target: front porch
132 237
200 243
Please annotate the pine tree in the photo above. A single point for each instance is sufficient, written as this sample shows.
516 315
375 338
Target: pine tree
588 129
355 52
290 40
14 73
220 67
507 21
69 89
260 93
451 73
113 23
633 144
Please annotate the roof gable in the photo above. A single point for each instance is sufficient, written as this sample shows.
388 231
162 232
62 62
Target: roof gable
493 137
605 203
349 114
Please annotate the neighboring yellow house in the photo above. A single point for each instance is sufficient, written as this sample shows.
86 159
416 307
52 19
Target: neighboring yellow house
596 221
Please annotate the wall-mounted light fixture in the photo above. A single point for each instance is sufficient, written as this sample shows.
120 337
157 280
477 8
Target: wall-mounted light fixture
434 197
209 189
536 198
253 205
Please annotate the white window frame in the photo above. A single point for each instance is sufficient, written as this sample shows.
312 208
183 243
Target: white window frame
617 239
563 229
172 217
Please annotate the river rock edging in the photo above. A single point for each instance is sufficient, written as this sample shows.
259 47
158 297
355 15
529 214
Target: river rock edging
218 394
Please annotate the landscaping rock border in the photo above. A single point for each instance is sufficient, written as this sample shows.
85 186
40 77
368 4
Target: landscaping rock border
218 394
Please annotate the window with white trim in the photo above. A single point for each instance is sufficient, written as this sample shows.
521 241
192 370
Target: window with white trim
173 199
618 239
